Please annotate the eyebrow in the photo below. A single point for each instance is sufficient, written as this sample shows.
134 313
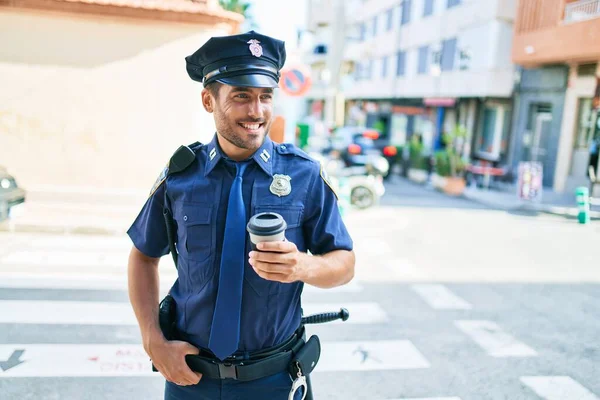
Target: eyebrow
246 89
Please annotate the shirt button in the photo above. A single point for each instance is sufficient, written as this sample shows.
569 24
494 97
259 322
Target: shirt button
185 217
283 147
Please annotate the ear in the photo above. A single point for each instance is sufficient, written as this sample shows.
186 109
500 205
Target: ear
207 101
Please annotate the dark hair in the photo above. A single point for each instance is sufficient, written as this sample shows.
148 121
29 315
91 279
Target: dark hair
213 88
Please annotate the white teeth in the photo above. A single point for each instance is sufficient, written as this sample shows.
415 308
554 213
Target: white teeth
251 127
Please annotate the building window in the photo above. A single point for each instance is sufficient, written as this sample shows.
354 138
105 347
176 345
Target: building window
428 9
491 143
585 124
358 72
405 12
368 73
384 67
401 64
423 66
452 3
390 19
375 26
320 49
448 53
363 31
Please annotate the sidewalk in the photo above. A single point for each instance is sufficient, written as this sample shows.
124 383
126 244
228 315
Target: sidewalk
76 211
563 204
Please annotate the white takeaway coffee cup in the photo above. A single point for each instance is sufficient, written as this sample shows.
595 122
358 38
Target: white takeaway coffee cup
266 227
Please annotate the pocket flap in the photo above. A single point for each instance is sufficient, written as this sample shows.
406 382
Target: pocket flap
196 214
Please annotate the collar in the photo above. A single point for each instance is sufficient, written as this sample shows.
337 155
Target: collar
262 156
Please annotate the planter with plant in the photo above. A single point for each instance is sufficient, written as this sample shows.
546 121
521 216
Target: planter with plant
417 171
449 165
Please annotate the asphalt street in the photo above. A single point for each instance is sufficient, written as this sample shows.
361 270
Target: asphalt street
451 301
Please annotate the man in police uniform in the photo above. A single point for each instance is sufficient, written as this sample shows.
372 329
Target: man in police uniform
234 304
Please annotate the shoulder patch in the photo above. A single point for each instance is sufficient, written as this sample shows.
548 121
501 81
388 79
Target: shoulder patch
161 178
325 178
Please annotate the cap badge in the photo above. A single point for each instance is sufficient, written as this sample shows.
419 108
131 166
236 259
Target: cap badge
255 48
281 185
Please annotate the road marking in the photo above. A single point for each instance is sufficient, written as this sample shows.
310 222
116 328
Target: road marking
66 258
440 297
59 360
431 398
69 281
42 360
113 313
351 287
370 356
360 313
107 282
557 388
494 340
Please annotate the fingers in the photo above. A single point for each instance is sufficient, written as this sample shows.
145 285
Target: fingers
279 247
180 373
274 276
289 259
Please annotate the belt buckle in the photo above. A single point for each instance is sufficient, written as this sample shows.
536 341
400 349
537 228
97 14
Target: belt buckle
227 370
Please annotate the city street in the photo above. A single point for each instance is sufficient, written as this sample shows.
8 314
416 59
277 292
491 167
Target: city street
451 301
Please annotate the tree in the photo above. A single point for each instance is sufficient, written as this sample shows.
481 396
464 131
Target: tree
240 7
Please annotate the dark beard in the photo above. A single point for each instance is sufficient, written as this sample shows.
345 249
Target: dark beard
228 134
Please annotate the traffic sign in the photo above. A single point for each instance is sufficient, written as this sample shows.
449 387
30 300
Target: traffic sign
295 81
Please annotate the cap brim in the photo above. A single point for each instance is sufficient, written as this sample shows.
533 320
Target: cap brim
254 80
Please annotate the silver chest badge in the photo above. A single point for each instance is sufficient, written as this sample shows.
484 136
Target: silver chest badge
281 185
255 48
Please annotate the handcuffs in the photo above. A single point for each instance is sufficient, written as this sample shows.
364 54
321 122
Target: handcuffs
299 382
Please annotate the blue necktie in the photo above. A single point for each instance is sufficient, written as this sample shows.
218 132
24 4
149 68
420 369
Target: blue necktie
225 330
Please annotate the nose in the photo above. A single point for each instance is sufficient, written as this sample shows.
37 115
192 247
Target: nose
255 109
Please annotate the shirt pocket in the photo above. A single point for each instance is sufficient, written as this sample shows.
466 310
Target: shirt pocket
199 232
293 233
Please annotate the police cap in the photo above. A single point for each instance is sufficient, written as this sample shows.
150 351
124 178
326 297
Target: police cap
248 59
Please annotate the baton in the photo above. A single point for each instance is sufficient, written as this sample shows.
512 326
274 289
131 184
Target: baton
343 314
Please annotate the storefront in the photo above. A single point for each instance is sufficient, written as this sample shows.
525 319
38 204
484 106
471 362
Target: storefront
540 99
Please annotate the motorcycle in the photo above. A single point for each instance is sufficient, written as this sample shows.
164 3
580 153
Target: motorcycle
363 184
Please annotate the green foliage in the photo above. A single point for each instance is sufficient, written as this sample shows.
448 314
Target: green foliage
240 7
448 162
417 160
237 6
442 163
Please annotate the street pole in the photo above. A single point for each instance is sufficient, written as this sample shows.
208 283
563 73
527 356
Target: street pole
335 56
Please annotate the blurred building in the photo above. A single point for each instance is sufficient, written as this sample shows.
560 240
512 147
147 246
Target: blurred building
558 44
416 66
95 92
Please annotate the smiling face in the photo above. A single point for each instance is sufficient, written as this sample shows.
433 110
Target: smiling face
243 117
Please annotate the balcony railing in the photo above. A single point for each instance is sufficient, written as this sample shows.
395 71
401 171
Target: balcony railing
582 10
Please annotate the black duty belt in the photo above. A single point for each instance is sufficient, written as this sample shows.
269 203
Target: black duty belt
256 365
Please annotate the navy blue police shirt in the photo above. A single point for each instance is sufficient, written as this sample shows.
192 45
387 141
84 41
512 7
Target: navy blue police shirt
197 197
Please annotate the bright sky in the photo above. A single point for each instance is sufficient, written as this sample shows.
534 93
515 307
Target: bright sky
280 19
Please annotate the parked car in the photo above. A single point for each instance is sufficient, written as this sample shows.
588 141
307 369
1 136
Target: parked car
11 195
356 144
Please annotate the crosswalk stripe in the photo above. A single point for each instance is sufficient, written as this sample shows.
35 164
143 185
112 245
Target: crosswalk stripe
371 356
56 360
112 313
440 297
69 281
63 258
108 282
430 398
493 339
557 388
360 313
